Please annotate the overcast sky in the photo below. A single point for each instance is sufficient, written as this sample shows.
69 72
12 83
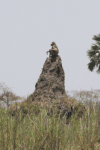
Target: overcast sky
27 28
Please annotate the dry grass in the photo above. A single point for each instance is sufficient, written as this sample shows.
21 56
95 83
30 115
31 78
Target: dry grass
31 129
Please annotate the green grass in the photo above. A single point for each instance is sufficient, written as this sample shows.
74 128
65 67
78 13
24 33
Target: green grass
31 129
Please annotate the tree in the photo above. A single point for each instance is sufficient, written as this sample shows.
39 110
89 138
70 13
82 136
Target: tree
94 54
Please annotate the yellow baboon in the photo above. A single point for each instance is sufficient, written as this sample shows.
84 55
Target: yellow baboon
54 50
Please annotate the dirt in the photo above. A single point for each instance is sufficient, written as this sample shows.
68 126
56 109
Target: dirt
51 82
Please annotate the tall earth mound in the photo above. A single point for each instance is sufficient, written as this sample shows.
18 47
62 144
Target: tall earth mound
50 84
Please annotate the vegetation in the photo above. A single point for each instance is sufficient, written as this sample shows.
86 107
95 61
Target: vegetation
27 126
6 92
94 54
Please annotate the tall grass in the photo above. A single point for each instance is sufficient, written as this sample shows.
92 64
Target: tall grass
37 131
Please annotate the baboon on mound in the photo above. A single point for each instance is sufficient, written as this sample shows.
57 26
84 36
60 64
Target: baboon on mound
54 50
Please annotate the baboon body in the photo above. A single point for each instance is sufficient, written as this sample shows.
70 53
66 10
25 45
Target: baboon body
54 50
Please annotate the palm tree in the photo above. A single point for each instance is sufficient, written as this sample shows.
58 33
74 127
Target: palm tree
94 54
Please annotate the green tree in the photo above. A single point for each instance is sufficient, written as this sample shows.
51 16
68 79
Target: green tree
94 54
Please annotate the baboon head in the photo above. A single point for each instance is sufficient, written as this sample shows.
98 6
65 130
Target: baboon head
53 43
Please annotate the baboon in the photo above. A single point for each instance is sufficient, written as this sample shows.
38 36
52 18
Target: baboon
54 50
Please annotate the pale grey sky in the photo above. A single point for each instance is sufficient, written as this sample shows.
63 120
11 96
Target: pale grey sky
27 28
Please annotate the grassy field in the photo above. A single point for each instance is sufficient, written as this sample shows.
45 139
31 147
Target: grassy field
26 130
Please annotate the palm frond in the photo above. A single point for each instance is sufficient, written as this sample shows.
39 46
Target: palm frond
96 37
91 65
91 53
98 71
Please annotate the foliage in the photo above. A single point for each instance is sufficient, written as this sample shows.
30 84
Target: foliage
5 92
94 54
29 130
